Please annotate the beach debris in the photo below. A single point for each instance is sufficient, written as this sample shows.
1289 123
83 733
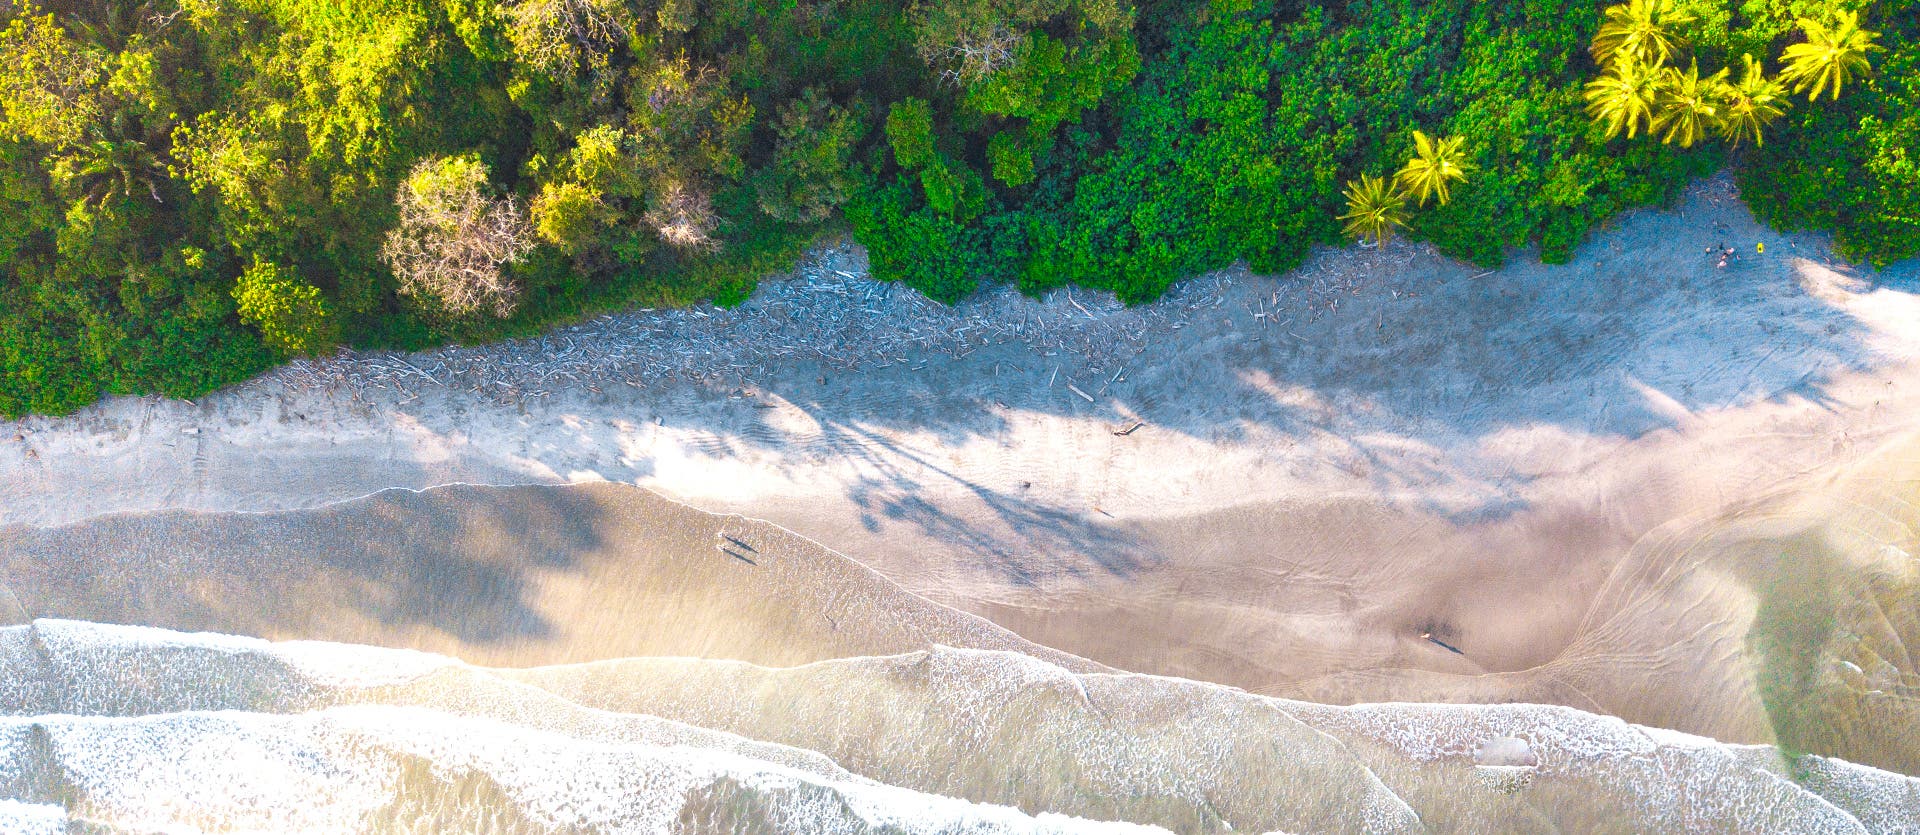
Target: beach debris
1076 390
1130 430
829 312
737 543
1076 304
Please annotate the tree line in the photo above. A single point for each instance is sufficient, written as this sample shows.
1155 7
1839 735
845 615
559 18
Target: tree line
195 190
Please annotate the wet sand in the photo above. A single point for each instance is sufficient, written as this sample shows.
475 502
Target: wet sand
504 576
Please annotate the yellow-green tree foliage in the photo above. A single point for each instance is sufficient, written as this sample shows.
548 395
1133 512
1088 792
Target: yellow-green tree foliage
1375 208
612 152
49 83
1436 164
292 315
1832 54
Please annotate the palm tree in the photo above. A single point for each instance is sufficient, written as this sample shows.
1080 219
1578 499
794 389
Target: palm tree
1749 104
1830 56
1623 96
1435 162
105 169
1374 208
1641 30
1688 106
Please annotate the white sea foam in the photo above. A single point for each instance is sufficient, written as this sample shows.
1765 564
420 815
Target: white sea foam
366 768
18 818
146 729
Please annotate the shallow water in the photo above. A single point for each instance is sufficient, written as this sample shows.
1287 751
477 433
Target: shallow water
135 728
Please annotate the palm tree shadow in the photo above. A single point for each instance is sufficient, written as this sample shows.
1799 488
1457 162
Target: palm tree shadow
1405 376
1025 541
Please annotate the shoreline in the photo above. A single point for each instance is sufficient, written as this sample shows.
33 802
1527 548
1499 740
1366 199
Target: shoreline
1437 449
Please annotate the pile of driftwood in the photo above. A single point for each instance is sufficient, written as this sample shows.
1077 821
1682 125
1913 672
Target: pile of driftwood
829 313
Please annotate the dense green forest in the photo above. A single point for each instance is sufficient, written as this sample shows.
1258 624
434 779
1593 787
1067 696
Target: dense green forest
197 189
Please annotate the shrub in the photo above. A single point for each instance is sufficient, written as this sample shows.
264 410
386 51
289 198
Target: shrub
910 133
291 314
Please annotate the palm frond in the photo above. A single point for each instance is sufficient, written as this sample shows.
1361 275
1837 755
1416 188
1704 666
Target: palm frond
1687 107
1435 165
1831 55
1642 30
1374 208
1747 106
1623 97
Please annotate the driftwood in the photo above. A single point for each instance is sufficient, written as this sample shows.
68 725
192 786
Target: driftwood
828 313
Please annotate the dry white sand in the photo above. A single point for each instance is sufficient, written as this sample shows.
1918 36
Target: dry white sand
1320 479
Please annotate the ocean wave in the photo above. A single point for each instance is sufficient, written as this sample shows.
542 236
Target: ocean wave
378 768
144 728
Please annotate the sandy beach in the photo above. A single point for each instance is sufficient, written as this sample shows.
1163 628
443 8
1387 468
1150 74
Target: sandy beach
1388 476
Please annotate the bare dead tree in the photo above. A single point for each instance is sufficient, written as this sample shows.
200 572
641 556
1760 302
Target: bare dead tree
976 54
158 20
968 40
684 218
556 35
453 241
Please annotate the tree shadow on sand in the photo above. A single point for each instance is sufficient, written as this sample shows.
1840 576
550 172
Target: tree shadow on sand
1397 379
1393 367
1026 531
459 561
